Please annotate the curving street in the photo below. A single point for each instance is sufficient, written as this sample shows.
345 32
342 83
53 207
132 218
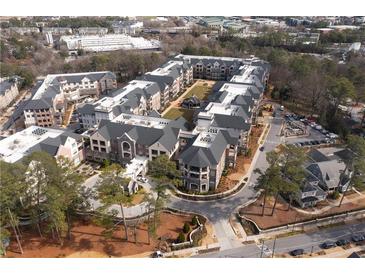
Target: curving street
219 211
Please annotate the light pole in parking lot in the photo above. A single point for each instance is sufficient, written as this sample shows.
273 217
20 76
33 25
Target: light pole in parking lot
262 248
273 248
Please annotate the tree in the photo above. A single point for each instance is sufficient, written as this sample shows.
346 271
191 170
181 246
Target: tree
163 170
75 196
110 190
11 191
340 89
268 181
355 162
41 178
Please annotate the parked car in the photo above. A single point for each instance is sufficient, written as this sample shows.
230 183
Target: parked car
297 252
328 245
332 136
318 127
342 242
262 148
281 108
157 254
357 238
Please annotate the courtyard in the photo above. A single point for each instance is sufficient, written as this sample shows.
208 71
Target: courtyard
201 89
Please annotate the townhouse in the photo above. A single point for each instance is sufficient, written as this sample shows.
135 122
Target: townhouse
49 102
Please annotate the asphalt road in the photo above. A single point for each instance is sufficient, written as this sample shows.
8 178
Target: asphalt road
287 244
219 211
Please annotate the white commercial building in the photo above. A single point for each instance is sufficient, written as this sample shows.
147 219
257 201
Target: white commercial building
108 42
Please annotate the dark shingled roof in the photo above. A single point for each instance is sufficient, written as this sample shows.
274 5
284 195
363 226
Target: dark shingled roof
86 109
38 104
167 136
227 121
205 156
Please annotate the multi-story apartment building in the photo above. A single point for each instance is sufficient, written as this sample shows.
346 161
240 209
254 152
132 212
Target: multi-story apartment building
56 142
48 104
128 124
8 92
204 160
172 77
129 136
138 97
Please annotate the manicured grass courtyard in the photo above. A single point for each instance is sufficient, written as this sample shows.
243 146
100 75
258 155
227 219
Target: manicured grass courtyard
200 90
174 113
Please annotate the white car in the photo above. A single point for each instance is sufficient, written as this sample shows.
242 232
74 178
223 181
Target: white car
318 127
332 135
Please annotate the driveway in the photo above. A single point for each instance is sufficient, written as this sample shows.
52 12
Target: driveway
219 211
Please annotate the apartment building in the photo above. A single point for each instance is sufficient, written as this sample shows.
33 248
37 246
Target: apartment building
128 123
129 136
8 91
212 68
56 142
48 104
172 77
138 97
204 160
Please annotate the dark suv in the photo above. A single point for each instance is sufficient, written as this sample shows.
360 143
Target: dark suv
328 245
297 252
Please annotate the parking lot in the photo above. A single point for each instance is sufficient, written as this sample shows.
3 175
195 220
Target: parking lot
316 134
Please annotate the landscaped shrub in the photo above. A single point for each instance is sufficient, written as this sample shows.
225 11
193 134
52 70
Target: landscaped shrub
335 195
186 227
194 221
225 172
181 238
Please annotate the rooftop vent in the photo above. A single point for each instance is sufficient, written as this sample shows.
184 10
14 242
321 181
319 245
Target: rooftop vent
39 131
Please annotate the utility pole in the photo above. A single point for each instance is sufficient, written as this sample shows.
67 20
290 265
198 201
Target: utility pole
273 248
262 248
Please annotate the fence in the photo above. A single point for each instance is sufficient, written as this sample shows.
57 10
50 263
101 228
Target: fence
209 197
328 220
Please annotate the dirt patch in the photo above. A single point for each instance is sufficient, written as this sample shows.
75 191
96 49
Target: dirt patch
88 241
138 197
283 216
243 163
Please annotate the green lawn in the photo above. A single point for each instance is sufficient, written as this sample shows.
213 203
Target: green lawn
174 113
200 91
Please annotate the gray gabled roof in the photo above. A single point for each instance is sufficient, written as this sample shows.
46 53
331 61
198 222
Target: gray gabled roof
5 85
38 104
142 135
227 121
205 156
86 109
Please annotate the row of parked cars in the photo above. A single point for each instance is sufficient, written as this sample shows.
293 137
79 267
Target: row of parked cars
357 238
311 123
314 142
